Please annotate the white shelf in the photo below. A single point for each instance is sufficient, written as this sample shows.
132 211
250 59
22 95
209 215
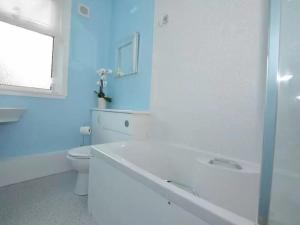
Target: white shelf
121 111
10 114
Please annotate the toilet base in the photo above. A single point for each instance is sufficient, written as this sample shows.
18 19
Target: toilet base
81 187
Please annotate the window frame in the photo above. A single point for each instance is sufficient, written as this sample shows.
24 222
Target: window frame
60 58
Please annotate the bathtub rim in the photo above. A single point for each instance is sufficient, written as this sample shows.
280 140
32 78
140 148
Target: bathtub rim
201 208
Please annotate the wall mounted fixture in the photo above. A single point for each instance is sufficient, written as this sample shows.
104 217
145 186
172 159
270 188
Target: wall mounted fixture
164 20
84 10
10 114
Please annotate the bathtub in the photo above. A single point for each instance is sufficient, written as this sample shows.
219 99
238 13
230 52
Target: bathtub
152 183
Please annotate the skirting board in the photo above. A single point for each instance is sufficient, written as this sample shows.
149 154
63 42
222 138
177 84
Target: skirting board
23 168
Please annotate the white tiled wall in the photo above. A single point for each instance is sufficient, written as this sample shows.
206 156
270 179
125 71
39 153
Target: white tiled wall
209 75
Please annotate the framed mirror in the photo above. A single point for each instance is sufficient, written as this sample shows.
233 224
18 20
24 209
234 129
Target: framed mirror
127 56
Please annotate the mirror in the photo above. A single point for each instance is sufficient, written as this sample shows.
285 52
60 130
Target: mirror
127 56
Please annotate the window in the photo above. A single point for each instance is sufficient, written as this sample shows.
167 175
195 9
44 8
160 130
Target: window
34 44
25 58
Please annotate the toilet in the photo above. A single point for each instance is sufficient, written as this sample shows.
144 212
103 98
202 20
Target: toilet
79 158
107 126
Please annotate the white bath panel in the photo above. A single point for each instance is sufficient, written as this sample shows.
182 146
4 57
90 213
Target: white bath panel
115 199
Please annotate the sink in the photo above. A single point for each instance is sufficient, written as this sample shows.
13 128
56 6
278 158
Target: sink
10 114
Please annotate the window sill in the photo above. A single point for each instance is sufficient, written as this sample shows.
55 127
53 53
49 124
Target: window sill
31 92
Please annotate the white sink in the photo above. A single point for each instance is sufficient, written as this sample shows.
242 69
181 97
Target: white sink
10 114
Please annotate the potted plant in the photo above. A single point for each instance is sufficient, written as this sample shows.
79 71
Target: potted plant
102 98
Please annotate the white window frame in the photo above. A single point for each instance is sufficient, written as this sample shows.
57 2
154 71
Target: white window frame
60 59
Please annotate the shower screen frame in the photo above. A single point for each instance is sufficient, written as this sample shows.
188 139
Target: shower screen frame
270 112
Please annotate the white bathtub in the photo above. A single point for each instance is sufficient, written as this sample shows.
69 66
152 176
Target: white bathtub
130 185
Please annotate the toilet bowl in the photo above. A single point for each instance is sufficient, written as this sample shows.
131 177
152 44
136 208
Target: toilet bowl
80 158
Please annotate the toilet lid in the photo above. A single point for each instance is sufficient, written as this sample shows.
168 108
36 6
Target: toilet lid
81 152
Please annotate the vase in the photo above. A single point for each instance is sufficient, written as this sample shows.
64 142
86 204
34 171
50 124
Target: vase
101 103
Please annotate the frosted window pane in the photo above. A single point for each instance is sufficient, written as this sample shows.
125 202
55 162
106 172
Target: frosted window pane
25 57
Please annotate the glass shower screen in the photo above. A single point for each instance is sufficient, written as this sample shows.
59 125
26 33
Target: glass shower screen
281 158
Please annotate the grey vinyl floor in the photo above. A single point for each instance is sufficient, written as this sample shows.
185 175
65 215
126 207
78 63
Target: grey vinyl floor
45 201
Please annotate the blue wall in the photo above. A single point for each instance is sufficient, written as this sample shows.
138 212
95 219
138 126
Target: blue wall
53 124
129 16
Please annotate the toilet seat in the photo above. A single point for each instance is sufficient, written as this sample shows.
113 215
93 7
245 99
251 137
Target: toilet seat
83 152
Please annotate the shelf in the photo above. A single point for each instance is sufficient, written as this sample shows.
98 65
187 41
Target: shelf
121 111
8 115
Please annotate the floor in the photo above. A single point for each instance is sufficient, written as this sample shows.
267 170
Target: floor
45 201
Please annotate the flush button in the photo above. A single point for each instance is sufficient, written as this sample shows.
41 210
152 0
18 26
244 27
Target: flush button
126 123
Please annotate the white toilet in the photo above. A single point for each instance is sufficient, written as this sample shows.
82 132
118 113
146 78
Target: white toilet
107 126
79 158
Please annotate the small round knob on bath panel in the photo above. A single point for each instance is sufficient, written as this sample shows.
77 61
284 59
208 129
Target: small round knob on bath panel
126 123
